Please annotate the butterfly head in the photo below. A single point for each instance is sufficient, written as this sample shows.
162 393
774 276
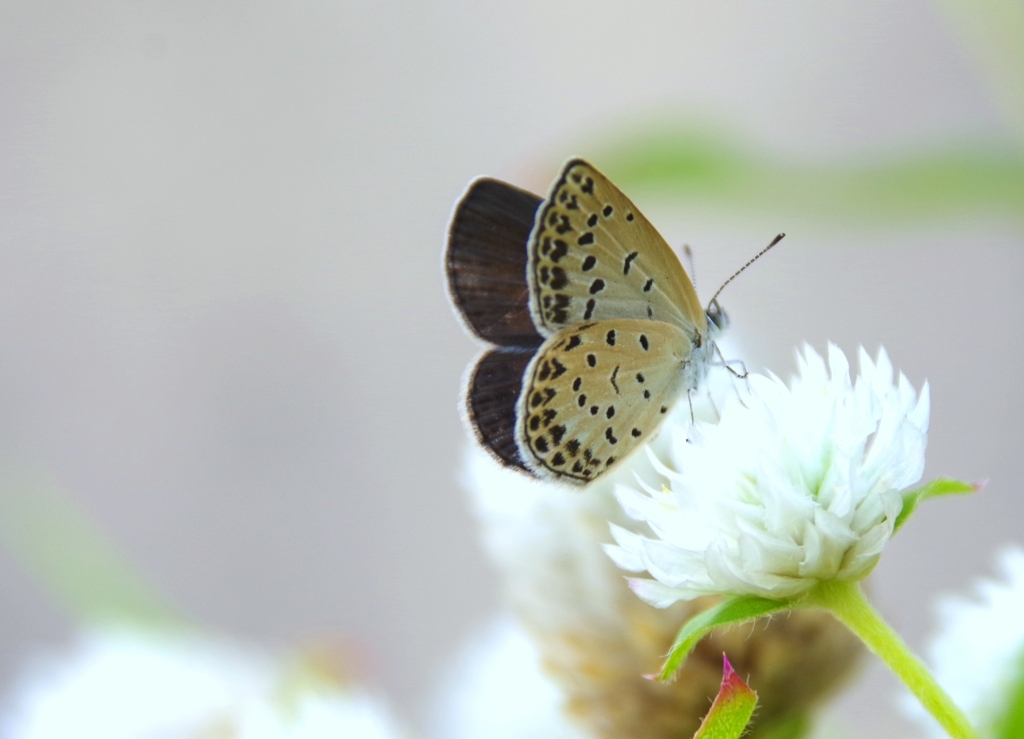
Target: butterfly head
718 319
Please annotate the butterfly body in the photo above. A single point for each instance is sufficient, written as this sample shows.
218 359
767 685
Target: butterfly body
598 330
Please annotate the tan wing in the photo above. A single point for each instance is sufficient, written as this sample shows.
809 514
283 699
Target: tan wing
596 391
592 256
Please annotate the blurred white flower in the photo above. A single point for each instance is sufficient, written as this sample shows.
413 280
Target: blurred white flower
794 485
496 688
134 684
977 654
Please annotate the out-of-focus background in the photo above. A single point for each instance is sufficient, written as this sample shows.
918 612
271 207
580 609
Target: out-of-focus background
224 330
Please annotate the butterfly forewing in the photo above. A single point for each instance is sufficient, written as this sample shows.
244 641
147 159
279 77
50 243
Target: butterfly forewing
595 391
593 256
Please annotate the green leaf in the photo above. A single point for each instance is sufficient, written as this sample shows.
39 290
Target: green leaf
62 548
736 610
709 170
1011 724
732 709
934 489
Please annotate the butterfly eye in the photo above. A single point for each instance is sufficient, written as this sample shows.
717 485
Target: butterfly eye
717 317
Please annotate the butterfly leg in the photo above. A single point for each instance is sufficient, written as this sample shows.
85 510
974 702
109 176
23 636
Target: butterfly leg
743 375
689 399
727 363
714 407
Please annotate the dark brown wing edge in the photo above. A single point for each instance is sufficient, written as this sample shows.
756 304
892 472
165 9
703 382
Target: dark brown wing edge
486 262
491 395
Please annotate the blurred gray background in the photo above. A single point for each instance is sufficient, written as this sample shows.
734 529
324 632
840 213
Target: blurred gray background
224 328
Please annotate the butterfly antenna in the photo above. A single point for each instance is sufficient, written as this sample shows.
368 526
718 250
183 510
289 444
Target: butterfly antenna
738 272
689 260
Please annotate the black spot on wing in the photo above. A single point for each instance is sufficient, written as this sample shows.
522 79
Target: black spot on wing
560 250
629 261
559 278
560 312
557 432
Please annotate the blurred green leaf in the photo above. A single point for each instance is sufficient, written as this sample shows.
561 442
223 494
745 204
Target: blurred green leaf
791 727
736 610
1011 725
968 179
731 710
57 544
993 31
934 489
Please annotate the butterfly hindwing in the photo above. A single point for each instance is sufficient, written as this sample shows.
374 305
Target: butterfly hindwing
596 390
593 256
492 391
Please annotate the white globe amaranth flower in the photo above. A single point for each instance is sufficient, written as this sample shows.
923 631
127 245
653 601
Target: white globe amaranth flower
794 485
977 653
131 683
593 638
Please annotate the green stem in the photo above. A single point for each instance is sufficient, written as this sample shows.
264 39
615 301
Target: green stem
847 602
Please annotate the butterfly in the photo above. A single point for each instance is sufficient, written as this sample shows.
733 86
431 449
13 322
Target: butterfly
595 326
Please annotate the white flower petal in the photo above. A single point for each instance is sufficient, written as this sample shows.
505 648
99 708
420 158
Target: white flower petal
628 554
658 595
